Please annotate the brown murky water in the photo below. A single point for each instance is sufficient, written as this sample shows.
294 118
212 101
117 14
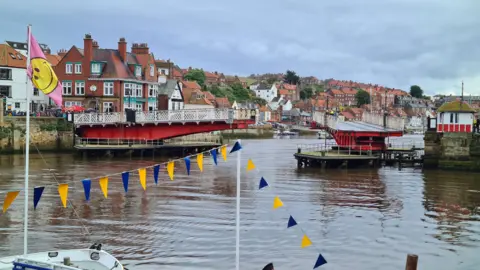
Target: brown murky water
358 219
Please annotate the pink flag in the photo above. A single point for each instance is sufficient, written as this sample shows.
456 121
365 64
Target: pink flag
41 73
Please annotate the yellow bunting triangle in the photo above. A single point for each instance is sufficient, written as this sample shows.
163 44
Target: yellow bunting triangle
171 169
250 165
142 174
63 191
9 198
306 241
200 161
277 202
104 186
223 151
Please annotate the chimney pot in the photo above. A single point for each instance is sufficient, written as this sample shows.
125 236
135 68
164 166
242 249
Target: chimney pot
88 36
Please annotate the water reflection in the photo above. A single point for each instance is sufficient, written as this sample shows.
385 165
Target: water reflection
360 219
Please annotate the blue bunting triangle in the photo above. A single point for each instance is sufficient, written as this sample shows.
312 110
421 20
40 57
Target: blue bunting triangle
263 183
87 185
37 194
187 164
125 176
156 170
213 152
236 147
291 222
320 261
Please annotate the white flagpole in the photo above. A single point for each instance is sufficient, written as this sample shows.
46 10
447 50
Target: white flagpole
237 253
27 150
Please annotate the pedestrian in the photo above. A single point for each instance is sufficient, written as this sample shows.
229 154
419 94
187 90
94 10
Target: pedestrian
477 124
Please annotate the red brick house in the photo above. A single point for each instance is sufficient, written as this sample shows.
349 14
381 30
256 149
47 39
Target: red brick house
109 80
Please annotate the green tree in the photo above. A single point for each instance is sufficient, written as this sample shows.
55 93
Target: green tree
319 88
259 101
240 93
416 91
271 80
306 93
196 75
362 97
291 77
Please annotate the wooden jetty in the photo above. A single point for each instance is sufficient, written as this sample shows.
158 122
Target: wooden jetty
333 156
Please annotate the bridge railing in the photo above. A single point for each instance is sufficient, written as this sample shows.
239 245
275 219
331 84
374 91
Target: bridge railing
332 148
166 116
397 123
332 120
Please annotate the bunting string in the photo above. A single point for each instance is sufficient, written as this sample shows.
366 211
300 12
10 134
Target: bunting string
305 241
63 188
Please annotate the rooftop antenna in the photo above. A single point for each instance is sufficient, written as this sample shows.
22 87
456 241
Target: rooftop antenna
461 100
462 90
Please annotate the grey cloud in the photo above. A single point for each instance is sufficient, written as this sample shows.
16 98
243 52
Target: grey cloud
397 43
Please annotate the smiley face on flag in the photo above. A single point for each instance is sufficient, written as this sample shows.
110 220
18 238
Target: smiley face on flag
43 76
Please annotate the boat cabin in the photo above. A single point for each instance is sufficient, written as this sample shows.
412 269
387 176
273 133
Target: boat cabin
455 116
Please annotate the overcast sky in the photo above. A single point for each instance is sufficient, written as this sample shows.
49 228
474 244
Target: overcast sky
396 43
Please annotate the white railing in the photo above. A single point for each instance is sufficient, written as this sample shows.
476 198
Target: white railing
397 123
181 116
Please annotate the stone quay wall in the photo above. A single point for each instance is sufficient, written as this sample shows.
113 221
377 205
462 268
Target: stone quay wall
46 134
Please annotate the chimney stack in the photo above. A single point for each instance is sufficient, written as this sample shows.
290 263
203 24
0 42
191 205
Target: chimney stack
122 49
95 44
140 48
62 53
87 53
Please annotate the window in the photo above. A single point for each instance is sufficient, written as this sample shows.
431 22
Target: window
152 106
79 88
17 105
139 90
139 107
13 56
152 90
107 107
138 71
35 92
127 89
73 103
78 68
19 56
67 88
5 91
108 88
152 70
96 68
5 74
68 68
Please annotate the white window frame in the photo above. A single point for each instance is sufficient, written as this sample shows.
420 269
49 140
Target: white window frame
138 71
152 106
72 103
128 86
106 105
152 70
139 90
78 68
96 68
152 90
67 88
80 85
69 68
139 106
108 89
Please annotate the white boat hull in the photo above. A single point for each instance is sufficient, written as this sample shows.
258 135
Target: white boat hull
83 259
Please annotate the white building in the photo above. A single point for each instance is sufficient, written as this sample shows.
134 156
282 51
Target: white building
455 116
170 96
13 83
265 91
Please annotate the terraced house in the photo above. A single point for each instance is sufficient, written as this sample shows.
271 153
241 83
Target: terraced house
109 80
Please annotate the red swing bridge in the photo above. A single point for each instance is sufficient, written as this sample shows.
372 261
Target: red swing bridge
366 135
158 125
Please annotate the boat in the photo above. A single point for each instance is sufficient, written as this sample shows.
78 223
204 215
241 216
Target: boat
93 258
279 133
322 134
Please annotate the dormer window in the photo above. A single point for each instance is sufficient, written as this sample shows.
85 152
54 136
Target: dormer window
138 71
96 68
152 70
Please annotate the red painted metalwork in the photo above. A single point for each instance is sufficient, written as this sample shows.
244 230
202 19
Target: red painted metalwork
360 140
156 132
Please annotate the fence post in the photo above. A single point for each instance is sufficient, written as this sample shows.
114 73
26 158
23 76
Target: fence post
412 262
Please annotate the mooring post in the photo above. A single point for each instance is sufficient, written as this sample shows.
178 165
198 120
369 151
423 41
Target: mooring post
412 262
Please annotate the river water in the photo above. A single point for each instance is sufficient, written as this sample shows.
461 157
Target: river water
358 219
